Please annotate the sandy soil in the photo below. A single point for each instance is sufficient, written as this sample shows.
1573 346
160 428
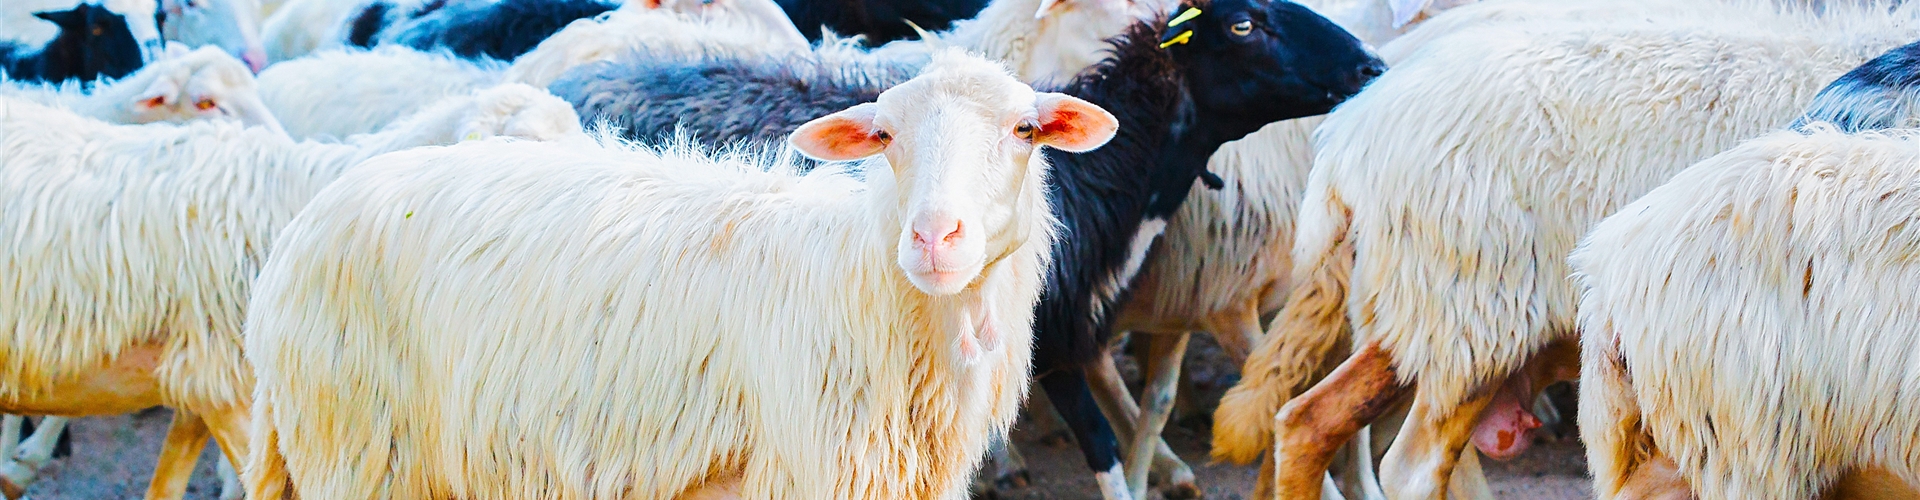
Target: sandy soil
113 456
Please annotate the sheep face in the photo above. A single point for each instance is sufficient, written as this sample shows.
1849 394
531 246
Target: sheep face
205 83
960 140
1259 61
101 38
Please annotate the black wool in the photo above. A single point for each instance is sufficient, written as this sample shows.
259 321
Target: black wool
93 42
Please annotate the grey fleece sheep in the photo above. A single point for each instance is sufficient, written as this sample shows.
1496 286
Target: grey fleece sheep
720 99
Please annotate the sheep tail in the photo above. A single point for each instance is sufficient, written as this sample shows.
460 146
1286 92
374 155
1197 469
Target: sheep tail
265 474
1298 349
1610 424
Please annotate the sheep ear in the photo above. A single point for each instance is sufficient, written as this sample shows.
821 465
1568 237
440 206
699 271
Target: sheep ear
1405 10
1070 124
61 17
846 135
158 95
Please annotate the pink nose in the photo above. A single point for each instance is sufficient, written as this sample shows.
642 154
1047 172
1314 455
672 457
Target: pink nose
937 231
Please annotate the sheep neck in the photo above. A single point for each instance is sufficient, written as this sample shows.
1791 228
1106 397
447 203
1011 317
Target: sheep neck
1102 195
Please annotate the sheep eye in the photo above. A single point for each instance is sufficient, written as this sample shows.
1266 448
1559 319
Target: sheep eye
204 104
1025 130
1242 28
97 31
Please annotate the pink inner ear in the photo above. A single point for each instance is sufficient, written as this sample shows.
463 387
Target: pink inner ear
847 135
1074 125
1064 123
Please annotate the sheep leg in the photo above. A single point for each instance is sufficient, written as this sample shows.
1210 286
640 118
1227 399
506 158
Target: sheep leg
1311 427
186 436
1046 421
1469 481
230 488
1068 390
266 475
230 427
1263 480
1422 459
1163 379
10 433
23 467
1352 470
1110 391
38 448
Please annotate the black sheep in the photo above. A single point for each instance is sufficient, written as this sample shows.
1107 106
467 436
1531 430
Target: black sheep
881 21
93 42
1237 66
1879 94
501 30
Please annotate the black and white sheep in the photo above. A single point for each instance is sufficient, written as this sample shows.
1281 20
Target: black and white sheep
93 42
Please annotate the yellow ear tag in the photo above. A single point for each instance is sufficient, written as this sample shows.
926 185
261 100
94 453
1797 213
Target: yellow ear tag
1177 39
1192 12
471 136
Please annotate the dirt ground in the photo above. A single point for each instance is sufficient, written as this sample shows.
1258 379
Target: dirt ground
113 456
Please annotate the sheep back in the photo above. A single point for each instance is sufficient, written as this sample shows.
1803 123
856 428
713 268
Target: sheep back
1507 143
719 100
1760 304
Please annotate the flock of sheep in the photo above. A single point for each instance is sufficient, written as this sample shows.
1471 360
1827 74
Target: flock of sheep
708 249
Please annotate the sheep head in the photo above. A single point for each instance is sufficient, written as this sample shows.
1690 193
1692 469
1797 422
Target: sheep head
204 83
960 140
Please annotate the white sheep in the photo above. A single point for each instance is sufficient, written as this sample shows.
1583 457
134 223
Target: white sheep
132 248
750 28
296 28
1231 248
1444 242
202 84
332 95
1750 322
724 329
